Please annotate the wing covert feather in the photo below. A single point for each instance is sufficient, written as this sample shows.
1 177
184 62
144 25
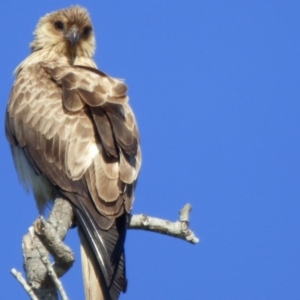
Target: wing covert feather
81 121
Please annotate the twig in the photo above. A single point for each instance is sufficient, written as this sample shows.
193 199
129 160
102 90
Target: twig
23 282
178 229
52 273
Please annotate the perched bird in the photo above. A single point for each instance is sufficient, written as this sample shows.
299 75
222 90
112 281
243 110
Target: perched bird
72 132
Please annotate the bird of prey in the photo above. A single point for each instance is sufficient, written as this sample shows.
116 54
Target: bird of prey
73 133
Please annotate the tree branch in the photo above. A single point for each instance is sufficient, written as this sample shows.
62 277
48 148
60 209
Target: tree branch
23 282
178 229
46 237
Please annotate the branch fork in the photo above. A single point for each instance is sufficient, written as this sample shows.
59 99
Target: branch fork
46 237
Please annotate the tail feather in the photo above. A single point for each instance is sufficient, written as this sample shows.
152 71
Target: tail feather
92 278
102 252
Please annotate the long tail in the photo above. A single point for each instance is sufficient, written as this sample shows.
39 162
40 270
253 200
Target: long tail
91 276
102 252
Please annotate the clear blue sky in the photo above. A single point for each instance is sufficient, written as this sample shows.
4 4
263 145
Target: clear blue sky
215 88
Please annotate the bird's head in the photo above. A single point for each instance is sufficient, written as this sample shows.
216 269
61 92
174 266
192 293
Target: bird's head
67 32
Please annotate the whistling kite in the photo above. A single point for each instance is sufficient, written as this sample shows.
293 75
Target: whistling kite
72 132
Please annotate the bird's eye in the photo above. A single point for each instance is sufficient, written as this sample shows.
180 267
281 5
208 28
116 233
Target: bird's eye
59 25
86 31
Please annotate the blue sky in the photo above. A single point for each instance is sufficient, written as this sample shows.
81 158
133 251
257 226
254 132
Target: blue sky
215 88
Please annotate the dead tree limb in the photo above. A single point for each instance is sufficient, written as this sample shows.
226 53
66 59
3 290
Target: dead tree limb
46 237
178 229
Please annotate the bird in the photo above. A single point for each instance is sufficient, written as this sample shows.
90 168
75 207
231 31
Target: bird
72 132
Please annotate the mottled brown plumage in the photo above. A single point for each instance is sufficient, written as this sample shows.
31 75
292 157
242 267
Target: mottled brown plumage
72 131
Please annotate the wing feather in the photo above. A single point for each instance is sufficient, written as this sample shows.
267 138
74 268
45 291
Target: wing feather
76 130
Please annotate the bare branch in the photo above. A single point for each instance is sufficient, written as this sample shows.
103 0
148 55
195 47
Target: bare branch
62 254
178 229
23 282
45 237
52 273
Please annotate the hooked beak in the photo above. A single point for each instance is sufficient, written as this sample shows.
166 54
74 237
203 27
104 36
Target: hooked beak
73 35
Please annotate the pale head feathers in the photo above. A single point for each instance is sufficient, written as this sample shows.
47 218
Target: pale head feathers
65 35
54 28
